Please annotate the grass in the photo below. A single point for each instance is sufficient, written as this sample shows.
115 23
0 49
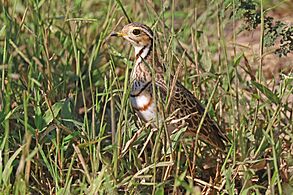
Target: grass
66 118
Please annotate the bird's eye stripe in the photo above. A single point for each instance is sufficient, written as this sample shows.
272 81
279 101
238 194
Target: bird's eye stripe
147 31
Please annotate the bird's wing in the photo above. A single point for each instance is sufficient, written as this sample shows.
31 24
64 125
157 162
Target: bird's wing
185 103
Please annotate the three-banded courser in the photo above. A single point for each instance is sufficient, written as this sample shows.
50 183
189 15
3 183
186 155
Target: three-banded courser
183 104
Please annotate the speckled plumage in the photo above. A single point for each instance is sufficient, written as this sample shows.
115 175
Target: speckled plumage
183 104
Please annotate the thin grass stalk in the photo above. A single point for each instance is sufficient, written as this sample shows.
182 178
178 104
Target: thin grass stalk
118 141
7 94
205 113
261 42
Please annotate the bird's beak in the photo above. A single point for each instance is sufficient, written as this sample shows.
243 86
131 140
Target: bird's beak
117 34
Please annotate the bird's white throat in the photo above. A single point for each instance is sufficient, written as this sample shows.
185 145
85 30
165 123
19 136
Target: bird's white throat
141 52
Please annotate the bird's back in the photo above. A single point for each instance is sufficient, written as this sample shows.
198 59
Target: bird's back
186 104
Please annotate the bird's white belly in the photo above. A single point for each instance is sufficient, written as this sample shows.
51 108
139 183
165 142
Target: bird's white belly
144 106
149 114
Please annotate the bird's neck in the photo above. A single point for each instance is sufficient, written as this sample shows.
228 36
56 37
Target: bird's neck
143 56
142 53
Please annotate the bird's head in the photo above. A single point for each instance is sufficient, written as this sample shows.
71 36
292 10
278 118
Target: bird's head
139 35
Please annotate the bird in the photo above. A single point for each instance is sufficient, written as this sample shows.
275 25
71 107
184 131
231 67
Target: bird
148 71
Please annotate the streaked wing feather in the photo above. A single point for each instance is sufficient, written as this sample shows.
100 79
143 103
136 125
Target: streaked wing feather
190 105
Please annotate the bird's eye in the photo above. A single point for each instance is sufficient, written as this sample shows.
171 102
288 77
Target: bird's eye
136 32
